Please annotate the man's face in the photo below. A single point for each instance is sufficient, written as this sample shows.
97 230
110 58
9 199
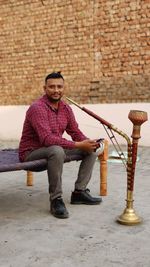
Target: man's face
54 89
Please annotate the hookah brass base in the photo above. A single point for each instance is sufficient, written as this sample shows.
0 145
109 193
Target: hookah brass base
129 217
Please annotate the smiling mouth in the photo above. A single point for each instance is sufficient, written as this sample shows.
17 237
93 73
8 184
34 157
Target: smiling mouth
56 95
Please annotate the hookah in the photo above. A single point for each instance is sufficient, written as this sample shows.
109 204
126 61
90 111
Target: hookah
137 117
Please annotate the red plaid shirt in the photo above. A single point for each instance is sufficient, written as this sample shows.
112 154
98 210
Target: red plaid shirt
44 126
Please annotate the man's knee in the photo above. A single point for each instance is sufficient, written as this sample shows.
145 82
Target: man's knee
56 151
91 154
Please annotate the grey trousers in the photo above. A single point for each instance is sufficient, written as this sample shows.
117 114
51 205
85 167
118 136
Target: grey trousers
55 156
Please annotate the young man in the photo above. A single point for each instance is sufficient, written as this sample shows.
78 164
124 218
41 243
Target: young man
45 122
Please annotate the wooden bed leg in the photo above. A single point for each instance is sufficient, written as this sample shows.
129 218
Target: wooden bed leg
103 170
29 178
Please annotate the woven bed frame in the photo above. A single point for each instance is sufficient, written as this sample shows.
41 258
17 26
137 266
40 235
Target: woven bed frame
9 161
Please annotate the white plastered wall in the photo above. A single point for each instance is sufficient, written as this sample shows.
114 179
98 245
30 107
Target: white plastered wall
12 117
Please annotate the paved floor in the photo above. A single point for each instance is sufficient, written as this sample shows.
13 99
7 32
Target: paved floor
30 236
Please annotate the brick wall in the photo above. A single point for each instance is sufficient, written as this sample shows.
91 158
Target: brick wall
102 48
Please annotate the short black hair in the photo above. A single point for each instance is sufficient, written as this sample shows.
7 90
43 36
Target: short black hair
54 75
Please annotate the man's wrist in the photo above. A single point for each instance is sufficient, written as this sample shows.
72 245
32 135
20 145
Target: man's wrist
77 144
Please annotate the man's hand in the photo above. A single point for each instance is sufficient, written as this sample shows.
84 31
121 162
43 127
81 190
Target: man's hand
87 145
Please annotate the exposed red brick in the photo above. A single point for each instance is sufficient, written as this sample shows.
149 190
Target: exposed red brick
102 48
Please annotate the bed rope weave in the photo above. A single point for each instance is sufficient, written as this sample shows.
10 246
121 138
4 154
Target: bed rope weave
9 161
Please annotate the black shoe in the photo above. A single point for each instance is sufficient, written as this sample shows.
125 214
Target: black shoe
58 208
83 197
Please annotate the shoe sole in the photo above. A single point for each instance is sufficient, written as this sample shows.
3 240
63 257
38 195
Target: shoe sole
63 216
85 203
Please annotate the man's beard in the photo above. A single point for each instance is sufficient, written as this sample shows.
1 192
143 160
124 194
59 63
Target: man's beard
53 100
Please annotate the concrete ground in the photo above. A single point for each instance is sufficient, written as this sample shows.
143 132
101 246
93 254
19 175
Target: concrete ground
30 236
